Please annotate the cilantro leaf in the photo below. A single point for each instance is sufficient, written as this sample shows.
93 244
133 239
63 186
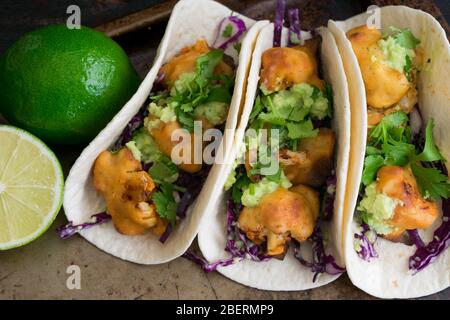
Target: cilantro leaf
271 118
257 108
432 183
405 38
373 151
206 65
237 46
242 182
329 95
430 151
227 31
407 67
393 125
303 129
165 203
283 135
398 153
219 94
371 165
185 119
164 170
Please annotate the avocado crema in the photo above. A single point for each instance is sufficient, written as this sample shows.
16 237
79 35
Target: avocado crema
292 99
196 86
394 184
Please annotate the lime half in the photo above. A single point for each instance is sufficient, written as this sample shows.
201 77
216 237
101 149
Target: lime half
31 187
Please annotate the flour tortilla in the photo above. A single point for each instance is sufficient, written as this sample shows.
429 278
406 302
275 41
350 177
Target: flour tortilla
288 274
388 276
190 20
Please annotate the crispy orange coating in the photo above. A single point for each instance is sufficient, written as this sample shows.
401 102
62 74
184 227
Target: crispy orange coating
126 189
406 104
281 215
415 212
311 165
384 85
283 67
163 138
186 62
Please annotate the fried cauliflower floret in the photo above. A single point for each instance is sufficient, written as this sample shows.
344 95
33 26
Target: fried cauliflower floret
281 215
312 163
126 188
384 85
414 212
186 62
163 138
406 104
282 67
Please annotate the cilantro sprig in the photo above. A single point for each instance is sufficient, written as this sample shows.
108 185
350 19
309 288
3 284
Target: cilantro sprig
388 144
200 87
165 203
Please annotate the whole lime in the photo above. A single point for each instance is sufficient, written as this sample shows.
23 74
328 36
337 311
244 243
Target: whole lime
64 85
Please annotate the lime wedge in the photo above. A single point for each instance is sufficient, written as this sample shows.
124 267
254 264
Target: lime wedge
31 187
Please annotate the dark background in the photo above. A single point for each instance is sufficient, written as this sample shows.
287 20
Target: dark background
19 16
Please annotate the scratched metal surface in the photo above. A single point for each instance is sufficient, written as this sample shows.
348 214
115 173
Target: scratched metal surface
38 270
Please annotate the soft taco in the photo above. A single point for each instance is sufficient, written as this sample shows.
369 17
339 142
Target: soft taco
280 229
126 193
397 209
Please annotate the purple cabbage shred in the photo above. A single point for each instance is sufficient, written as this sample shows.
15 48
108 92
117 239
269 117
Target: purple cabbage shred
321 262
166 233
415 238
239 28
70 229
329 196
278 23
294 27
441 241
237 244
367 249
193 183
135 123
205 265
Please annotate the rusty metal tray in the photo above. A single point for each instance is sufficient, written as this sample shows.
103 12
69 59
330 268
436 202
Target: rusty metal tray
39 270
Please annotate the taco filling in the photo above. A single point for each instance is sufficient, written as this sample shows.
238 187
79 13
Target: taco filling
156 169
404 180
283 205
279 184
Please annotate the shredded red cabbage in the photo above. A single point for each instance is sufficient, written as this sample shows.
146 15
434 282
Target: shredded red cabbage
159 84
329 196
367 249
166 233
321 262
294 27
441 241
278 23
237 243
135 123
415 238
205 265
238 26
193 183
70 229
